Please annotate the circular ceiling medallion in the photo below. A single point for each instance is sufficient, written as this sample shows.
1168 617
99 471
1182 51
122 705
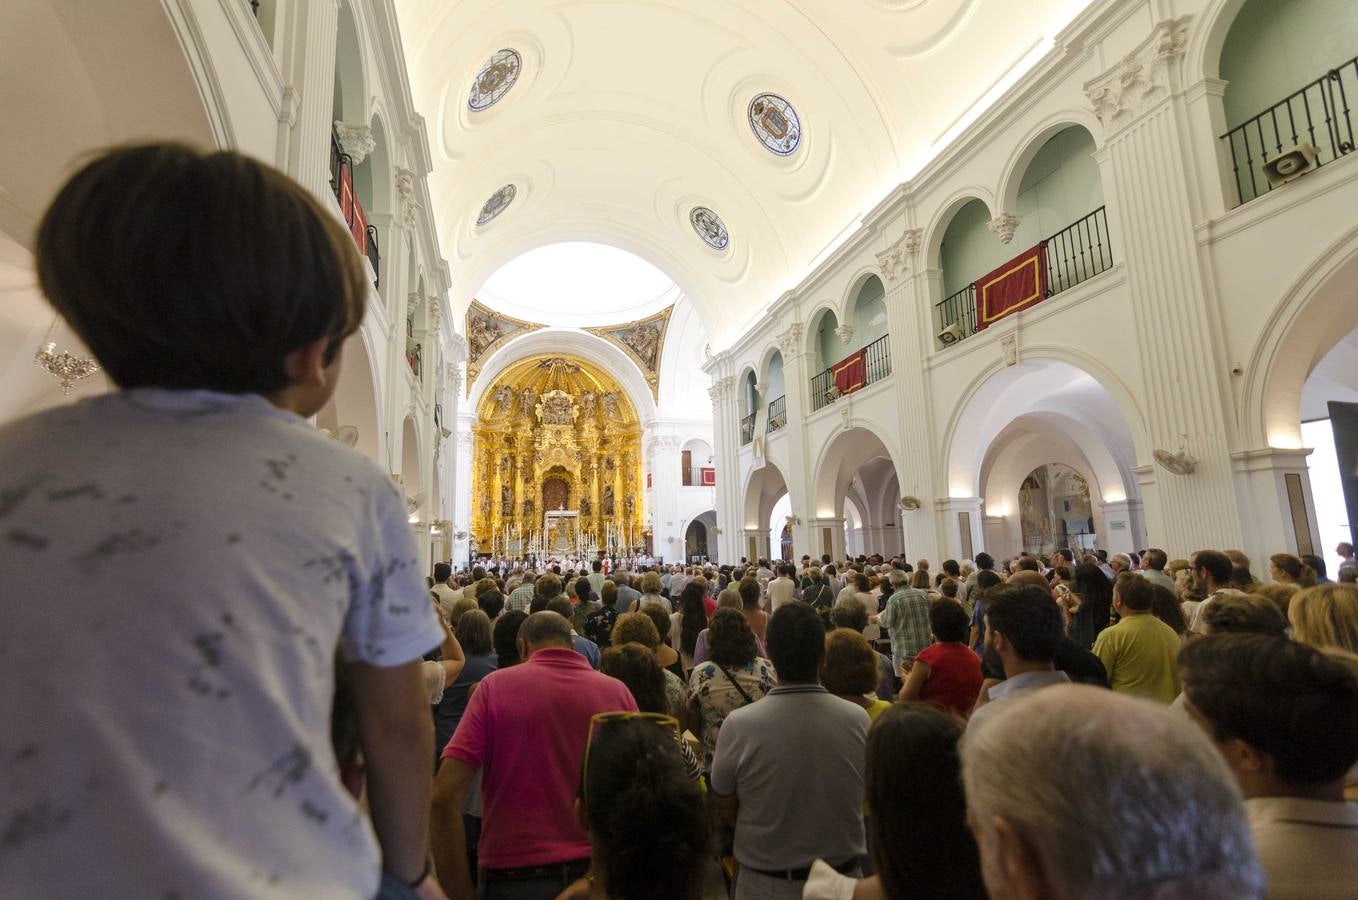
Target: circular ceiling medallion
775 124
495 79
709 227
497 203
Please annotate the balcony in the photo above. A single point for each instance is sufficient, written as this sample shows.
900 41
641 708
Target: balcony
1071 256
777 414
351 208
1314 119
866 365
698 476
747 430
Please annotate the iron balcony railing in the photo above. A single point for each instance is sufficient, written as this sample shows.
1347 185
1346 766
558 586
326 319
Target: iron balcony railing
958 309
823 390
1078 252
692 476
877 357
1074 255
777 414
876 366
1316 115
365 238
747 429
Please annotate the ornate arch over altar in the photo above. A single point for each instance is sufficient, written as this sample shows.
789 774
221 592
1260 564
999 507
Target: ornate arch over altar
557 449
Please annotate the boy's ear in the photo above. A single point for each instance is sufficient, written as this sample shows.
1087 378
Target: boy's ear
307 366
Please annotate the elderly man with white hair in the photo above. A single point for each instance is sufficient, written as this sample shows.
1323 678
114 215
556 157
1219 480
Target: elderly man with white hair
1073 792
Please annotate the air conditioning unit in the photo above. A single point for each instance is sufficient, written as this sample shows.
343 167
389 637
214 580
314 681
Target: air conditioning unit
1293 162
950 335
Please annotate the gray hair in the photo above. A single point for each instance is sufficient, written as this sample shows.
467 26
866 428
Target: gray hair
1117 797
897 577
546 628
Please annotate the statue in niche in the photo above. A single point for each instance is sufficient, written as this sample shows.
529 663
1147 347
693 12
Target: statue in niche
506 501
526 401
608 465
504 399
586 507
611 408
607 500
528 508
587 401
629 505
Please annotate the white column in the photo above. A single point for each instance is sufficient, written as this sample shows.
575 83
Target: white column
726 444
309 68
667 526
797 388
462 507
910 324
962 523
1280 508
1151 217
1123 526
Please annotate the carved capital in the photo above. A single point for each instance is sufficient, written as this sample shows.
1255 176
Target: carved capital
435 316
355 140
790 341
1142 78
1004 225
845 332
896 259
414 300
409 207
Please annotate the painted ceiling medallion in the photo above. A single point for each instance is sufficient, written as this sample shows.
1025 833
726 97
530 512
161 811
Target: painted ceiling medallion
497 203
495 79
709 227
775 124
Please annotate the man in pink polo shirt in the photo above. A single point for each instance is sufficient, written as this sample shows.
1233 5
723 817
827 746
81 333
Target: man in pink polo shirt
525 729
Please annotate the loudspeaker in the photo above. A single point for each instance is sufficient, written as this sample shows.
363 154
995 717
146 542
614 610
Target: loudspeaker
1293 162
950 335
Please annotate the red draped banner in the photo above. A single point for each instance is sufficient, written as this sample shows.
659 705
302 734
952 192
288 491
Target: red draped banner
351 208
1016 285
709 477
851 372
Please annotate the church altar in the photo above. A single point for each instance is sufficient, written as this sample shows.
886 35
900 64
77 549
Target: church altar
557 461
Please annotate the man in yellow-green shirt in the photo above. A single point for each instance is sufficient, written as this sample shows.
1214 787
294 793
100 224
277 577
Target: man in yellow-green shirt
1140 651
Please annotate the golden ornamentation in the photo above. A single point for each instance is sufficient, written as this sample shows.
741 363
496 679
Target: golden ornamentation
548 422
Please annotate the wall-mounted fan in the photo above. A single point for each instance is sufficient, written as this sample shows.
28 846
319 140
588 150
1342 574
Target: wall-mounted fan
1179 463
414 503
910 503
345 434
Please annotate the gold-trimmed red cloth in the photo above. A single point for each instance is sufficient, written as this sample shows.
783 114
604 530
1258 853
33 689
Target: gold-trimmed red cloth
851 372
1016 285
709 476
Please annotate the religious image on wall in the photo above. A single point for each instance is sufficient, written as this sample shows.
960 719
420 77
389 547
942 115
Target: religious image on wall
1055 510
558 442
486 332
643 341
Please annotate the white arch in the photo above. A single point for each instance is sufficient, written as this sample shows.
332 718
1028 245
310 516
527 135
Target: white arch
842 456
1032 143
849 301
569 342
1202 59
1049 379
768 481
1313 316
943 216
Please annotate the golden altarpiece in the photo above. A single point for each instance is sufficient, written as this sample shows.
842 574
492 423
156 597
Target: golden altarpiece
556 461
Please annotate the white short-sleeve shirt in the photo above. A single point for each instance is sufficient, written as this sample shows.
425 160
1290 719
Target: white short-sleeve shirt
177 569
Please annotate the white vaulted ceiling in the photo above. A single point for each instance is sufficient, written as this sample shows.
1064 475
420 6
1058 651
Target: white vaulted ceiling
629 113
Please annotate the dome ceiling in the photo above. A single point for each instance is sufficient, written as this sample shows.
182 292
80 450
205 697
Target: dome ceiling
620 119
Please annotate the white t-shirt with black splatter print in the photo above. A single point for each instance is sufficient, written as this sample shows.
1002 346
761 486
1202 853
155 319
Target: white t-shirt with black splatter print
177 569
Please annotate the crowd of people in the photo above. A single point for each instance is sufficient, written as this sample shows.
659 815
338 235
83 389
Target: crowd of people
226 674
855 729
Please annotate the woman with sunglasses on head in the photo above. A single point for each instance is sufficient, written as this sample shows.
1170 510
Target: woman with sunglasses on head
645 817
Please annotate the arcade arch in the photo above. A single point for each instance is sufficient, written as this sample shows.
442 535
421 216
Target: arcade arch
858 467
766 497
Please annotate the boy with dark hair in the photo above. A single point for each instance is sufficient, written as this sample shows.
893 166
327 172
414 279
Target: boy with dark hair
217 295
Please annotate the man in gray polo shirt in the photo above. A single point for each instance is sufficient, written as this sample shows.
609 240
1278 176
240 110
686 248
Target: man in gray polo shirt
788 769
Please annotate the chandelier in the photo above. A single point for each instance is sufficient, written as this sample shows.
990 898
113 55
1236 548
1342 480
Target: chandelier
63 366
